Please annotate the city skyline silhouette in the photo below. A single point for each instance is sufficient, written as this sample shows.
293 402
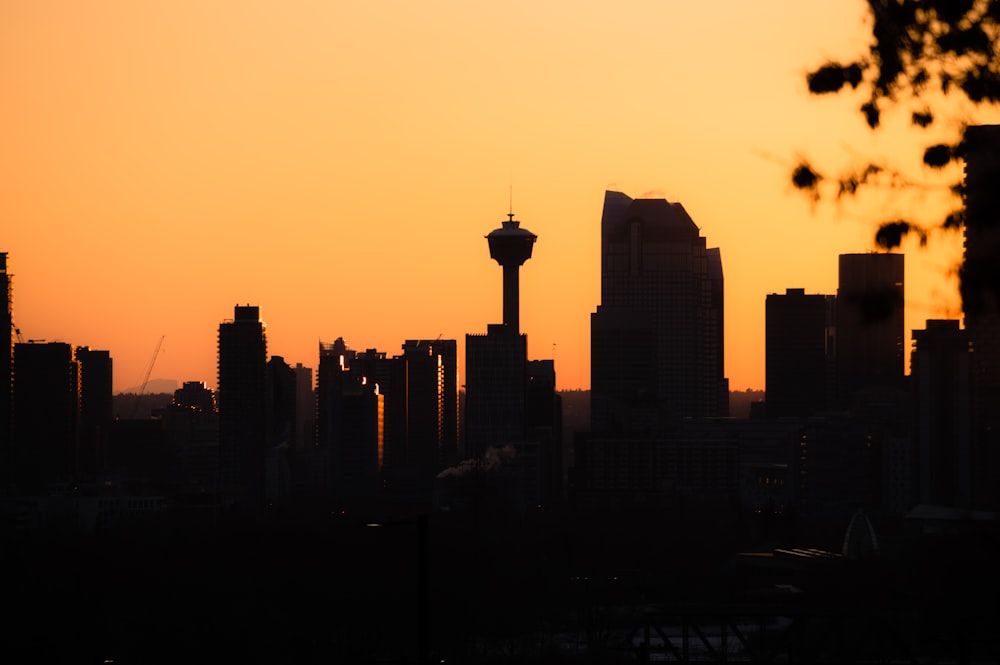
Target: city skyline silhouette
177 196
693 414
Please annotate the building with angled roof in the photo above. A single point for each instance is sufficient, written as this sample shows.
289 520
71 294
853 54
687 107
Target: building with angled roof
657 351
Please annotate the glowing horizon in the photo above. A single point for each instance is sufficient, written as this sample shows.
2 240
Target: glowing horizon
338 164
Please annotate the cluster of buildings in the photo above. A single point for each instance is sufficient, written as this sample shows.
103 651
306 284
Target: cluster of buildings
842 428
369 431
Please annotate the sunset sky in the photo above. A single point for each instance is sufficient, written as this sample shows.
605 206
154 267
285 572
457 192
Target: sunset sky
338 163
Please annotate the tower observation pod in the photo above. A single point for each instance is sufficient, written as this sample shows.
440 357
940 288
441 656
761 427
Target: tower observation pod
510 246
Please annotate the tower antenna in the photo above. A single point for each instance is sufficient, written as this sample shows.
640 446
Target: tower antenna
510 199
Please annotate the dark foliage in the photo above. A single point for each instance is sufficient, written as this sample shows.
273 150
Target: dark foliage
850 182
833 76
954 220
938 156
804 177
918 47
890 234
922 118
872 114
922 44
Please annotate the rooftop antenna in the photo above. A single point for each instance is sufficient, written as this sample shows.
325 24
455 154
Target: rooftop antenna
510 199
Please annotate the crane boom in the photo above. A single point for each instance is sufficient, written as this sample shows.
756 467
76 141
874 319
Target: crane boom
145 379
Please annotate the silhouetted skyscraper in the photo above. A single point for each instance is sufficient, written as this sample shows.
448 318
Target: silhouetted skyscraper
657 338
281 387
496 363
543 422
430 409
939 379
799 352
351 412
869 324
447 352
305 407
6 359
46 412
96 411
980 289
242 404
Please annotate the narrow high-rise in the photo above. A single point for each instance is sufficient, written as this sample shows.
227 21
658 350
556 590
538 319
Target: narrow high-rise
96 410
980 288
6 368
242 403
657 337
351 419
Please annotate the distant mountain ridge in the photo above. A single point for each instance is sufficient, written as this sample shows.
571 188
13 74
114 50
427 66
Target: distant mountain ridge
153 386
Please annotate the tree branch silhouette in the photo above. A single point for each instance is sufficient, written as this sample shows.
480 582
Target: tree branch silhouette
918 49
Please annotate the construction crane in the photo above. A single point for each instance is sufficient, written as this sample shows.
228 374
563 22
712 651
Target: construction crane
145 379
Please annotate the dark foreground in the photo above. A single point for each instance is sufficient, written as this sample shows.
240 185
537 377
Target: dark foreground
550 587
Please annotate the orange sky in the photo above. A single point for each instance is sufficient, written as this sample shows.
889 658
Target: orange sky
338 164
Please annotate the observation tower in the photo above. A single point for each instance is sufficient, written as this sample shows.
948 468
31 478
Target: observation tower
510 246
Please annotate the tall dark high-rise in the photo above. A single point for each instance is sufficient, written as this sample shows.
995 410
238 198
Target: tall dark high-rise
96 411
496 363
869 324
351 420
980 289
431 401
799 352
657 337
242 405
46 415
305 407
6 359
544 425
447 352
939 379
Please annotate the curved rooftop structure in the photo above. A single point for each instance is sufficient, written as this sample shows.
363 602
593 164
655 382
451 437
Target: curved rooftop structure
510 243
511 246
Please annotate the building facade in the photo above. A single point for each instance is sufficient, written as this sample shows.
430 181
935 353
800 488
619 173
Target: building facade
869 324
46 416
242 405
351 422
939 377
657 338
6 368
979 284
799 353
96 412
